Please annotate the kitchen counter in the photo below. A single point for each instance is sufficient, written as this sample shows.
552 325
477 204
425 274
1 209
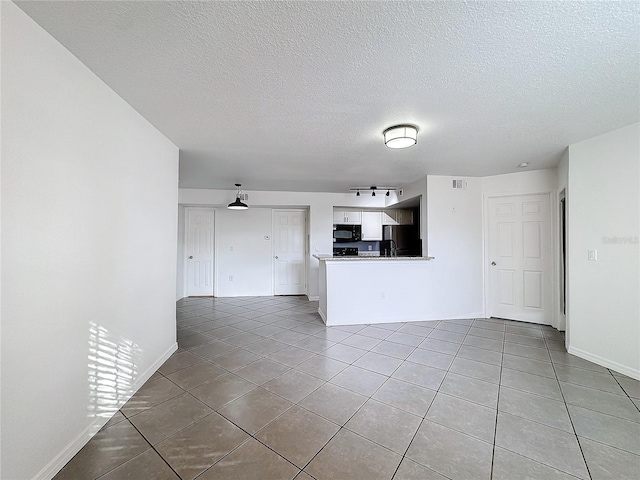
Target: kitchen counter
375 258
369 290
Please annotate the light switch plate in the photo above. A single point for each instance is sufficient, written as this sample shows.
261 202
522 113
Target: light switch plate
592 255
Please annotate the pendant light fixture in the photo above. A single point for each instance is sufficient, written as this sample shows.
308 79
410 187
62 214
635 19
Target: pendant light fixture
401 136
237 204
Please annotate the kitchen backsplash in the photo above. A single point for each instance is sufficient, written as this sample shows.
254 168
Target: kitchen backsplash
361 246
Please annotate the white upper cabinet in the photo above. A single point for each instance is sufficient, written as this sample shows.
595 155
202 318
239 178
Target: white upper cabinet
397 217
347 217
371 225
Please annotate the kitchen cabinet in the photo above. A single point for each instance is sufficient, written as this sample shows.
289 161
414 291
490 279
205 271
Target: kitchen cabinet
397 217
404 217
371 225
347 217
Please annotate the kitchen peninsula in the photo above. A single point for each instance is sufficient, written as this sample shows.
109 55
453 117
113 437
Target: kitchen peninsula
370 289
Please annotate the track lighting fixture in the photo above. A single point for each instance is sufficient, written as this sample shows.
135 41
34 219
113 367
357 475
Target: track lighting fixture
373 189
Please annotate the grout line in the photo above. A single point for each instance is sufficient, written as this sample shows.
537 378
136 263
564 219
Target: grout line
564 400
495 431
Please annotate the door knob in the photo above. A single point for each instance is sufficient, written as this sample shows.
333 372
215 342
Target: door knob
190 257
276 257
493 264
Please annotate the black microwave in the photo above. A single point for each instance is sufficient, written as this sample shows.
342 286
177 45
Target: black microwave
347 233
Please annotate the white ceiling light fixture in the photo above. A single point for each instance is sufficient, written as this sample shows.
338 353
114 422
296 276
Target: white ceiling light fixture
237 203
401 136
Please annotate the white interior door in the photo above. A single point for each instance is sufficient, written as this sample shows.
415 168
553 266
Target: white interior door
520 258
289 252
199 251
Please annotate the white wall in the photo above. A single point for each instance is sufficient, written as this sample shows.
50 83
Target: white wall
89 205
604 215
243 256
455 240
320 219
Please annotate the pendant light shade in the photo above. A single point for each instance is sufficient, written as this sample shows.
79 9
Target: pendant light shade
237 204
401 136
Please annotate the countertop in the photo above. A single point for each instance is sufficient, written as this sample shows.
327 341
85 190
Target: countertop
369 258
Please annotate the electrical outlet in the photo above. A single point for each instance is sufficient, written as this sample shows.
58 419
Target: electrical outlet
231 249
383 295
592 255
231 278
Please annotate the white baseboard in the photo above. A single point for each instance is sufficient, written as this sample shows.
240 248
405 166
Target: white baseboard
323 316
604 362
314 298
68 452
178 298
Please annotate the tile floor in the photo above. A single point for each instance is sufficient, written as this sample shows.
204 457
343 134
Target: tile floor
261 389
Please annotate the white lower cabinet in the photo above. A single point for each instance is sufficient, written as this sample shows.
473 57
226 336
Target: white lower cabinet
371 225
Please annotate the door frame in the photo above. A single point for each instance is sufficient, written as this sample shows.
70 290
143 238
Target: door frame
553 236
185 263
305 211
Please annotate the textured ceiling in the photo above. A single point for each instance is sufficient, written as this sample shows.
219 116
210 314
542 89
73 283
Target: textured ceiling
295 95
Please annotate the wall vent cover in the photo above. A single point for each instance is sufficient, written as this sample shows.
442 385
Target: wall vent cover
459 184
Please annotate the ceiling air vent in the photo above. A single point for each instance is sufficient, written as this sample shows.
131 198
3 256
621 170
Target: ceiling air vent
459 184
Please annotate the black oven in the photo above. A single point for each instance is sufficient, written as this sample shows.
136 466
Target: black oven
347 233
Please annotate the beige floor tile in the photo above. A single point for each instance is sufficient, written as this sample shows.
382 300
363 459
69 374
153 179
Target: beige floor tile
196 375
349 456
194 449
164 420
410 470
405 396
298 435
151 393
261 371
385 425
178 361
293 385
147 465
107 450
334 403
222 390
254 410
251 461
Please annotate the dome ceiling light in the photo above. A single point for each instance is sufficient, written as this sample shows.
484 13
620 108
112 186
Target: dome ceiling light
401 136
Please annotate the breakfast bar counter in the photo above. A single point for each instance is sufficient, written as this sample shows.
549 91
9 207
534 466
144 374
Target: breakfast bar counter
373 289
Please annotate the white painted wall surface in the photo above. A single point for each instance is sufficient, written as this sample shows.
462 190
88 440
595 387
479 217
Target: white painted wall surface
521 183
89 210
604 215
320 219
455 240
243 256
